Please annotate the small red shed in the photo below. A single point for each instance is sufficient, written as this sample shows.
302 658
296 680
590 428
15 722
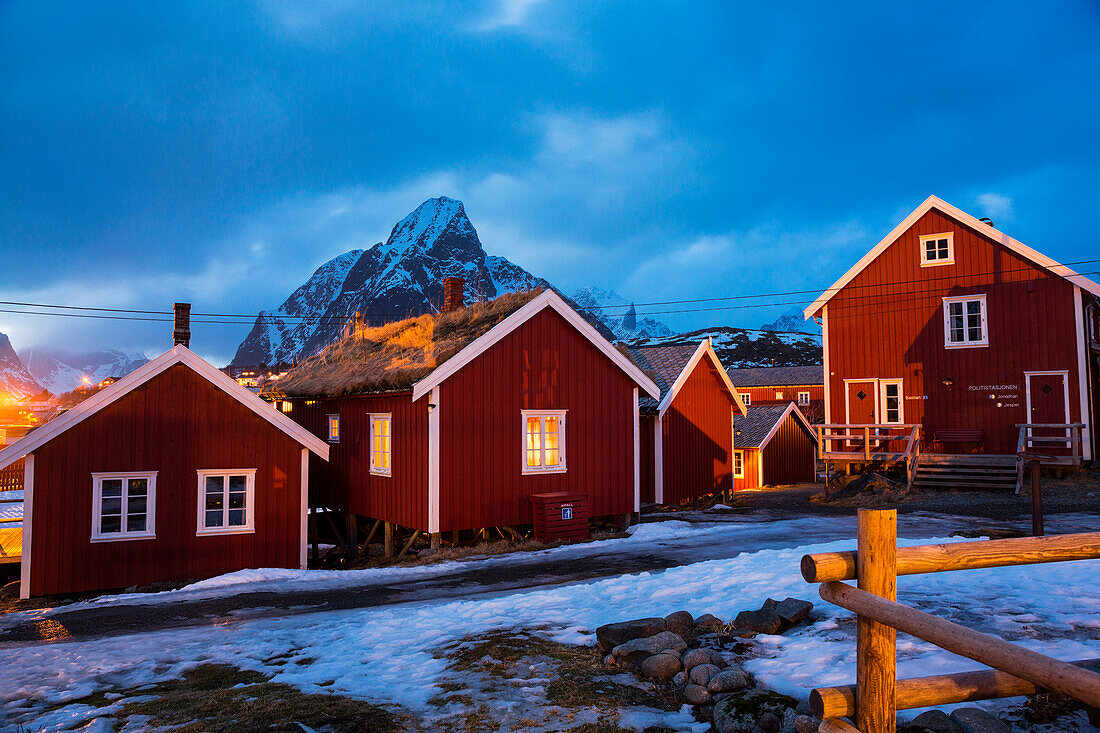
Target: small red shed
774 445
173 472
688 431
453 421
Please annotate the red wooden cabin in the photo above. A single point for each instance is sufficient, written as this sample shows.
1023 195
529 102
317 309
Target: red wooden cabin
687 433
803 385
453 421
774 445
952 325
173 472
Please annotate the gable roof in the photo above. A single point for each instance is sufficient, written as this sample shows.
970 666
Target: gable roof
786 376
671 365
118 390
958 214
546 299
756 428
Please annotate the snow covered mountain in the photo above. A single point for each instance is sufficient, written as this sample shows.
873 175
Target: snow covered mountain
62 371
15 381
401 277
619 315
738 347
792 320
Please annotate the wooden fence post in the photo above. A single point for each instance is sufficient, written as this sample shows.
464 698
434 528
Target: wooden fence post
876 643
389 540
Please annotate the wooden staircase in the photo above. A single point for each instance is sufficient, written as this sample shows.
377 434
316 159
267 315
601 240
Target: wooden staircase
966 472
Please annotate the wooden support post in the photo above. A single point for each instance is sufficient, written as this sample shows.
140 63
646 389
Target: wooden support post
313 534
351 529
409 543
389 539
876 643
867 453
454 537
437 543
370 535
1036 499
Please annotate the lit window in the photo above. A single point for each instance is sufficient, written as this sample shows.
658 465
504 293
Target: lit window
937 249
778 394
380 444
284 405
964 321
123 506
226 500
891 401
543 441
333 428
803 398
739 464
746 397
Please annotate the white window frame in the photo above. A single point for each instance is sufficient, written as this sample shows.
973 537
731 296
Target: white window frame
803 398
249 525
150 506
936 262
746 397
388 446
966 344
778 394
739 464
333 421
884 417
543 469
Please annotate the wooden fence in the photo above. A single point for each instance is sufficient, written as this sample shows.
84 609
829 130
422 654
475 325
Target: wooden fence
11 478
877 695
845 443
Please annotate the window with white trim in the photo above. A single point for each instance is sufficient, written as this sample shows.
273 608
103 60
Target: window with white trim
892 401
964 321
937 249
778 394
333 422
227 501
381 444
739 464
543 441
746 397
803 398
123 506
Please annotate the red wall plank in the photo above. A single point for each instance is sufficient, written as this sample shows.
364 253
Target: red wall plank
697 437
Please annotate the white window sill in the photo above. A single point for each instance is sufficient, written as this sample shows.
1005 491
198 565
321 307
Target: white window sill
937 263
541 471
386 474
218 531
123 537
966 346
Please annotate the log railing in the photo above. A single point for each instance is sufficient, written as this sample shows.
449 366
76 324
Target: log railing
1069 440
877 695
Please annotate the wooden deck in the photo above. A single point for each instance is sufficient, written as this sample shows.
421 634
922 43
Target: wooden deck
11 544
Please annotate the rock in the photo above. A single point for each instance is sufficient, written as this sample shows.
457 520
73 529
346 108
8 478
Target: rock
661 666
936 721
609 636
634 651
806 724
739 712
769 722
792 611
803 708
703 656
707 622
609 660
696 695
679 622
700 674
679 678
728 681
764 621
976 720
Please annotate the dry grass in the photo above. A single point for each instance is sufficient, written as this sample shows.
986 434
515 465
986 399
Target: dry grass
395 355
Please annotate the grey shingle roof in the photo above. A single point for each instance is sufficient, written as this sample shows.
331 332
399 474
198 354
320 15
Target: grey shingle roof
788 376
664 364
751 428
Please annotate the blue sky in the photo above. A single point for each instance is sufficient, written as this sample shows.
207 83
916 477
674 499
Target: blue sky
218 152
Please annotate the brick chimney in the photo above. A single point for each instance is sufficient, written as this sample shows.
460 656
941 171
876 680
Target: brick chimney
181 334
452 293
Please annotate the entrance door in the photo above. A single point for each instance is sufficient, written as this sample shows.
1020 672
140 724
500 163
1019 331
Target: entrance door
1047 402
862 407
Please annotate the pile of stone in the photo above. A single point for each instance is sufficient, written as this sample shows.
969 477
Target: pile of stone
687 653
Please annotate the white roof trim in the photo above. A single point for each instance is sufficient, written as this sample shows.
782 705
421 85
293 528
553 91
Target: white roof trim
546 299
934 202
705 349
118 390
792 409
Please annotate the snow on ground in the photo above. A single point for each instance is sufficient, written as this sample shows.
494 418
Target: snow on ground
386 653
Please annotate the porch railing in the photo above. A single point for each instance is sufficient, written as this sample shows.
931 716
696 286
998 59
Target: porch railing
867 443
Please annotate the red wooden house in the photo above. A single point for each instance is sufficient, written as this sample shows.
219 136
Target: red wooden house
173 472
775 445
687 433
952 325
453 421
803 385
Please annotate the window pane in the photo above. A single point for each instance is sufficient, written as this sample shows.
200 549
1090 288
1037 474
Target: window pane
110 524
135 523
973 306
236 500
139 487
386 460
136 505
111 506
214 501
552 457
214 518
929 249
534 457
238 483
112 487
942 247
214 484
236 517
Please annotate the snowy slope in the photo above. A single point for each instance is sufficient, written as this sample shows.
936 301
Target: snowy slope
393 279
792 320
62 371
739 347
15 381
619 315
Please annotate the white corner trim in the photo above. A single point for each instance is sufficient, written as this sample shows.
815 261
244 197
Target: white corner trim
546 299
826 375
637 453
28 527
792 409
121 388
433 461
980 226
658 463
303 520
1082 374
704 349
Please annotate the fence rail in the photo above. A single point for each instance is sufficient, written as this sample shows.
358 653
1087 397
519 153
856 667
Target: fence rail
865 443
11 478
877 695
